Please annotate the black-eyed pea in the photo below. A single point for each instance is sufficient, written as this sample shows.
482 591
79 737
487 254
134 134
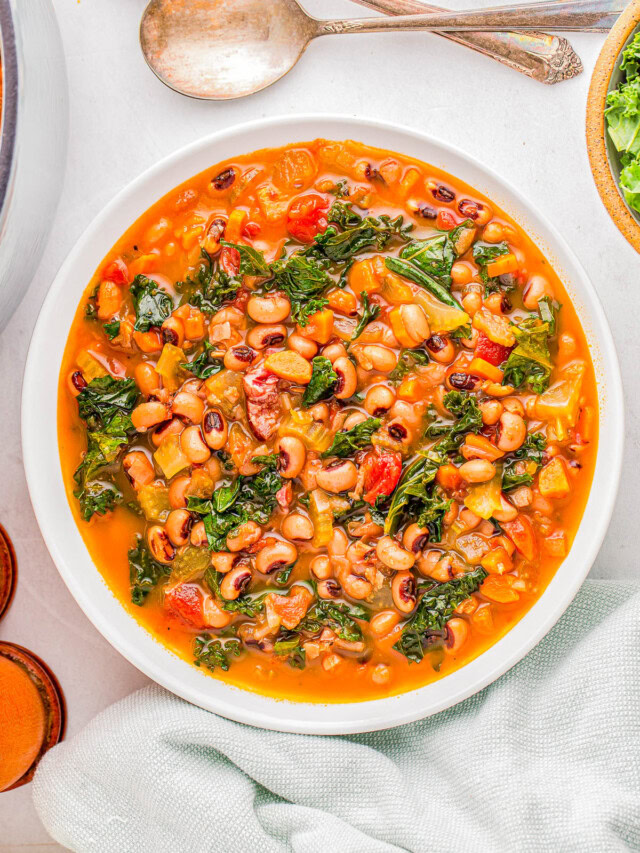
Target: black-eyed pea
393 555
415 322
292 455
240 357
321 567
235 582
198 536
472 302
404 591
189 406
493 233
160 545
537 287
215 616
512 432
165 429
275 556
566 345
303 346
353 419
334 351
193 445
506 512
379 400
383 623
513 405
263 336
178 526
338 543
147 415
461 273
147 378
329 589
172 331
341 475
319 412
273 308
178 492
427 563
491 411
415 538
215 429
245 535
347 383
441 349
223 561
477 471
379 357
297 526
213 468
357 587
457 632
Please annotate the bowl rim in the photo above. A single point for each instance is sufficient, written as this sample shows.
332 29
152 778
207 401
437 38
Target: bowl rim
606 184
63 540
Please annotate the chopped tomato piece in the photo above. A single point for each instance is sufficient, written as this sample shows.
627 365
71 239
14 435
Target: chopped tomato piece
306 217
381 474
230 260
499 588
186 600
116 272
292 608
448 477
553 481
493 353
446 221
523 536
251 230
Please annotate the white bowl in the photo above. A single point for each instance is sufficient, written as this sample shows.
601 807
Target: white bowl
70 554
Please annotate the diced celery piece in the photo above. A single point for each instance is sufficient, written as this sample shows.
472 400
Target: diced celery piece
312 433
168 367
90 367
154 500
190 563
170 458
486 498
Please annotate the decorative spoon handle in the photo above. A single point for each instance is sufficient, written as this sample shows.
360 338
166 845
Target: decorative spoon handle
592 16
545 58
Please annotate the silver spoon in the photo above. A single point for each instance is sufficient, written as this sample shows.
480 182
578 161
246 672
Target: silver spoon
220 49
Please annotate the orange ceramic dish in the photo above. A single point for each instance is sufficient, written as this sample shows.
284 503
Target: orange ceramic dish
327 421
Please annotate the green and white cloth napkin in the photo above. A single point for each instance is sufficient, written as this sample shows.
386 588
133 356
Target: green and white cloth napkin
545 759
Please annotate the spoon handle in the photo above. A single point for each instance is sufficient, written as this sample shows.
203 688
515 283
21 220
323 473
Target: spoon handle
595 16
543 57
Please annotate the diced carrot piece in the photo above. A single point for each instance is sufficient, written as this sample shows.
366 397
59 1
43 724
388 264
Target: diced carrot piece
482 368
523 536
479 447
194 325
468 606
503 542
293 607
448 477
148 341
235 224
144 264
399 329
362 277
411 389
342 301
482 619
497 562
499 588
289 365
556 544
553 481
109 300
502 265
584 427
320 326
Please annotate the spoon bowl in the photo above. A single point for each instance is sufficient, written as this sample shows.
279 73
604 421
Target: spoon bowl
221 49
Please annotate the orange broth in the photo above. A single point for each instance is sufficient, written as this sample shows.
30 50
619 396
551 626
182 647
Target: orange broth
166 242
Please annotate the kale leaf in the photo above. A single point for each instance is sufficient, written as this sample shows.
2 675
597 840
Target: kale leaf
418 276
359 436
407 361
304 280
323 381
289 643
152 304
214 654
97 498
436 606
210 286
530 364
520 467
112 329
144 571
339 617
244 604
369 313
468 418
203 365
358 234
252 262
483 254
434 256
104 398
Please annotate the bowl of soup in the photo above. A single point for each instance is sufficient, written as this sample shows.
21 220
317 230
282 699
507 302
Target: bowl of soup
33 96
322 424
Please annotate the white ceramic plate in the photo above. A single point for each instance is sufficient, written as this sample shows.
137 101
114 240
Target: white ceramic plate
68 549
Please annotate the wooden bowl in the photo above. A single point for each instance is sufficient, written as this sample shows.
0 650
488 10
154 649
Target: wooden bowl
603 156
8 571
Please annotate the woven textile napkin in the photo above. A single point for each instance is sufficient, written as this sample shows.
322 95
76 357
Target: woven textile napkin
545 759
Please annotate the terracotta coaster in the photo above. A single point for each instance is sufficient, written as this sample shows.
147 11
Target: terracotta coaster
605 170
8 571
32 713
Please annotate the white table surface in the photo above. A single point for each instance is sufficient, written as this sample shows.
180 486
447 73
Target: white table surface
123 120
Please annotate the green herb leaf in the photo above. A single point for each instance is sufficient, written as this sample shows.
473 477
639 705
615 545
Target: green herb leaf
152 304
415 274
369 313
304 280
210 286
252 262
434 610
530 364
359 436
339 617
407 361
213 654
112 329
97 498
323 381
144 571
202 365
434 256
